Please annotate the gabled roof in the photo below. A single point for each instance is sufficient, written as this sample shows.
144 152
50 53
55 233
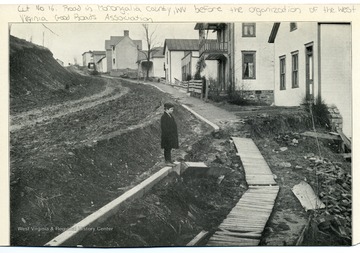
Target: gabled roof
181 45
113 41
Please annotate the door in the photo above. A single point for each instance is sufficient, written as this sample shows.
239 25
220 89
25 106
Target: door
309 73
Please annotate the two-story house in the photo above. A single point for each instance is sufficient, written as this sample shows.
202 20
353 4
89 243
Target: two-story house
108 47
174 51
313 60
125 55
243 55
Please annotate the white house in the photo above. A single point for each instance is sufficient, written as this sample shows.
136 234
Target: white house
108 47
245 59
97 55
174 51
125 54
189 67
157 60
101 65
253 57
87 58
313 60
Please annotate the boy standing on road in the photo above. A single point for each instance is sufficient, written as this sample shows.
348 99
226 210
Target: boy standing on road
169 134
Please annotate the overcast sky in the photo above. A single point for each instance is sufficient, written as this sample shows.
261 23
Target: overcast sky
68 41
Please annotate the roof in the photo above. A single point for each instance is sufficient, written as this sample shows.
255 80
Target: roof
157 52
87 52
210 26
181 45
113 41
101 59
276 26
274 31
99 52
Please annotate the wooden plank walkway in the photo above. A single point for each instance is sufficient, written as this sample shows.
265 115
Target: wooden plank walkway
257 171
245 223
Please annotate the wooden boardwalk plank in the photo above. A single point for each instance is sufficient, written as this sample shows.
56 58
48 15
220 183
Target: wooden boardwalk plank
239 234
245 223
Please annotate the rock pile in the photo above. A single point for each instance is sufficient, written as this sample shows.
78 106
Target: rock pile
334 189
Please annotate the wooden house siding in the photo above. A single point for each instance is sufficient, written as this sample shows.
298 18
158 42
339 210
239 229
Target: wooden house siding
125 54
87 58
335 75
285 43
331 65
264 57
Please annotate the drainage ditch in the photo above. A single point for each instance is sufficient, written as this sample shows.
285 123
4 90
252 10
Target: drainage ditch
176 209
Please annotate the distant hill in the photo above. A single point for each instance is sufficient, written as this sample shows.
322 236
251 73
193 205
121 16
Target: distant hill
37 79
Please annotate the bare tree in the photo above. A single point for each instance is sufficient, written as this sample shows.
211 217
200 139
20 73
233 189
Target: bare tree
150 38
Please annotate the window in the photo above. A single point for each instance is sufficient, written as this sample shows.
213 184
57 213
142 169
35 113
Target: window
113 61
282 73
295 69
293 26
249 64
248 30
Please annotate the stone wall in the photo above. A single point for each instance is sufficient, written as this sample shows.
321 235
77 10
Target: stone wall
261 96
335 118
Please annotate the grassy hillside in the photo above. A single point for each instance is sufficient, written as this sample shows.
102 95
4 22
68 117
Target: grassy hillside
37 79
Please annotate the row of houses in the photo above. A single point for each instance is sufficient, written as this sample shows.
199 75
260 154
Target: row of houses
282 63
121 54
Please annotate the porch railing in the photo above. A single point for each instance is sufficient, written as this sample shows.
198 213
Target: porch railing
213 47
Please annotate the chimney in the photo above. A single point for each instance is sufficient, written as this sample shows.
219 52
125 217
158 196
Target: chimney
126 33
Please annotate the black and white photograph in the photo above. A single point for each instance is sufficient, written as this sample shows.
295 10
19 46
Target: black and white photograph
135 133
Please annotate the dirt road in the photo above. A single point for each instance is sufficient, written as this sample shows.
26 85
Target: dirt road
113 91
86 152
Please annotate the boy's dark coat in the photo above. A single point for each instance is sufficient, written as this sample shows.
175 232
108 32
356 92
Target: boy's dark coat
169 134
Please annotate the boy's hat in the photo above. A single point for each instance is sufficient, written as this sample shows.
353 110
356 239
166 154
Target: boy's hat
168 106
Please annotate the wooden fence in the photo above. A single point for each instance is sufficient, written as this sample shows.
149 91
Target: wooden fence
194 87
